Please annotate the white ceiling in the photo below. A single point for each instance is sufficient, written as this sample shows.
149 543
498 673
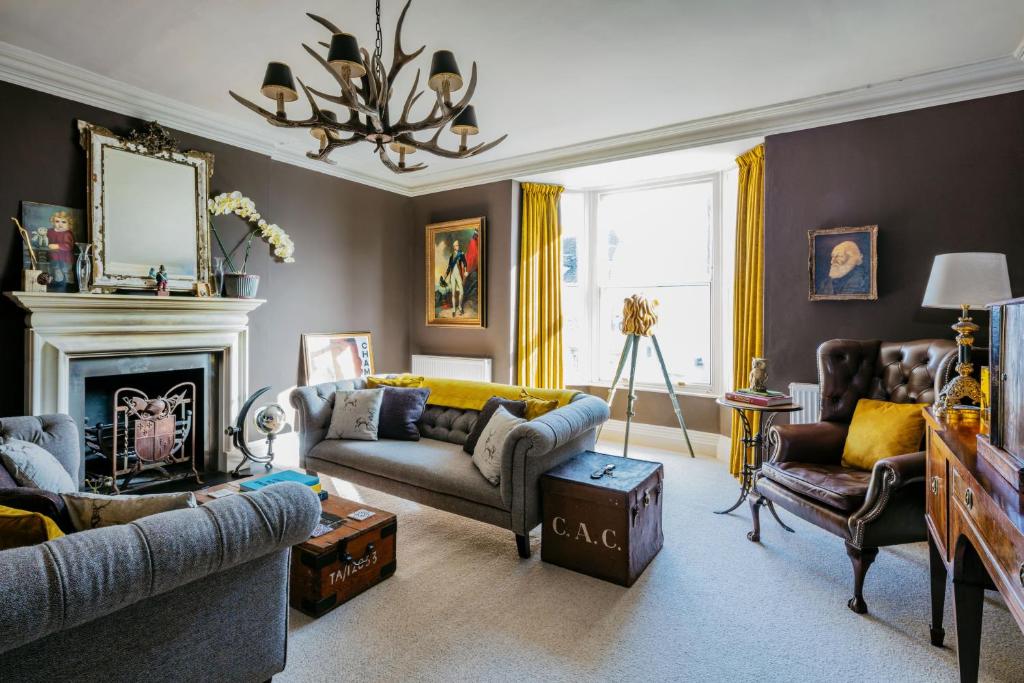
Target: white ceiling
651 167
553 74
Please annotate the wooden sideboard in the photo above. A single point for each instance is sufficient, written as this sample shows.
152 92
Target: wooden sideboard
975 520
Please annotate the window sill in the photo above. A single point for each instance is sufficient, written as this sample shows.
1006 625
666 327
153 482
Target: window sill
694 392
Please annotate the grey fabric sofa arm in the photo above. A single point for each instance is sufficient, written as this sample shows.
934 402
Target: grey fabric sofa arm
84 576
536 446
314 405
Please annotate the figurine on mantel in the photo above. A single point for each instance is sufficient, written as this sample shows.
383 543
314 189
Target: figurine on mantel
162 286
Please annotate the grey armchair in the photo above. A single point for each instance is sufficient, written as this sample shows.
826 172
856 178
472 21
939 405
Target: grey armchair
198 594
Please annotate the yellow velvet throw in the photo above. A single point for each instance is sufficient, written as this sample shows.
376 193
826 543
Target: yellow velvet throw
539 344
463 393
748 306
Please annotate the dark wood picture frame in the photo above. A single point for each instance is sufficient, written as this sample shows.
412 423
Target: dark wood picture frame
866 240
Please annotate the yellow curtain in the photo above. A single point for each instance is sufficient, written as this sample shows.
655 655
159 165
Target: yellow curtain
748 306
539 345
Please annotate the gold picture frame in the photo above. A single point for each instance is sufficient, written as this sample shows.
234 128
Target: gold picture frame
334 356
456 277
842 264
147 207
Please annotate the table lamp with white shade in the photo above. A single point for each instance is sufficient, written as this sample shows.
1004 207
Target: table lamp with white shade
960 281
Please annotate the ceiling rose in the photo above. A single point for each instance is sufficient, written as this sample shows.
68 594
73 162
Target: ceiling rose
366 89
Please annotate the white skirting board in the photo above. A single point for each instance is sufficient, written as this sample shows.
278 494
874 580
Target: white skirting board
666 438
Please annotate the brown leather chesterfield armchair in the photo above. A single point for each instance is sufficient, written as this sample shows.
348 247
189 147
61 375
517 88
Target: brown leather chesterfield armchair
804 473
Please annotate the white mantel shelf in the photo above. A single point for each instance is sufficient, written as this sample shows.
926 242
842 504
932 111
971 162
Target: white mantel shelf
44 301
63 327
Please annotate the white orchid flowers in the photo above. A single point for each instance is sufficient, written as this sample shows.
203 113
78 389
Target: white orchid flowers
240 205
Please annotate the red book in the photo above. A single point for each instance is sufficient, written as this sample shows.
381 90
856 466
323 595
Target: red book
763 401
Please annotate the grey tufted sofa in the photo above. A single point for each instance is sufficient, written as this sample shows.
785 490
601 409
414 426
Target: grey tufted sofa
436 471
199 594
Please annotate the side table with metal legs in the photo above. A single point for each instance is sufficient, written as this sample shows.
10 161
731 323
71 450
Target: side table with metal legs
753 456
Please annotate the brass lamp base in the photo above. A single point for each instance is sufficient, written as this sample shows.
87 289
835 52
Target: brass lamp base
963 385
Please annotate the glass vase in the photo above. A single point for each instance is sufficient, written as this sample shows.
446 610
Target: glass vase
83 266
218 274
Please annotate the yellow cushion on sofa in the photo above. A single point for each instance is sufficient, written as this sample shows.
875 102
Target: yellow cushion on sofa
880 429
19 527
412 381
535 406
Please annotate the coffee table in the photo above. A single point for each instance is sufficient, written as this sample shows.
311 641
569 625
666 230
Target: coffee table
329 570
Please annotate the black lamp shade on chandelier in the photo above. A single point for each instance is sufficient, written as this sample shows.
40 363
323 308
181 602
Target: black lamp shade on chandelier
465 123
344 53
365 87
444 71
320 133
279 85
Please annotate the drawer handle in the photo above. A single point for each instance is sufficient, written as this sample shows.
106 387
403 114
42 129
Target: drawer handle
935 486
969 499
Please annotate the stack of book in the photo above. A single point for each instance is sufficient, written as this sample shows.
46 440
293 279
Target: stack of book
765 399
310 480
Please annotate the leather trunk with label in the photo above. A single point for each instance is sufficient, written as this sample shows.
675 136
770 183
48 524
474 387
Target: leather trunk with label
610 527
330 570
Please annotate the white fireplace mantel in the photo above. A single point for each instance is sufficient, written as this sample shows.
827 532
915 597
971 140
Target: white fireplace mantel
62 327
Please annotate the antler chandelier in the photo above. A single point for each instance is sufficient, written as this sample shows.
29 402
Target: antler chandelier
366 89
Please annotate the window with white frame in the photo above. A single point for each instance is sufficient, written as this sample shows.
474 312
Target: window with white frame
658 240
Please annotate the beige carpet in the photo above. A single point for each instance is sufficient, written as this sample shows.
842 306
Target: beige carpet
711 607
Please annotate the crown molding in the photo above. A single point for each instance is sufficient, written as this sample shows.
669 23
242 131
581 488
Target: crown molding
992 77
972 81
45 74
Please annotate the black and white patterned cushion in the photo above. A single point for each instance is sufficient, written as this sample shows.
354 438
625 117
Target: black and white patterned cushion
356 414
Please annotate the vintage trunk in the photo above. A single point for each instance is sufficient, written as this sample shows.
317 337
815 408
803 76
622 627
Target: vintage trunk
610 527
334 568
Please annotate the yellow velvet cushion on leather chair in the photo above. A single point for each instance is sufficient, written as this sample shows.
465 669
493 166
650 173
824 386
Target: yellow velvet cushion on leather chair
880 429
19 527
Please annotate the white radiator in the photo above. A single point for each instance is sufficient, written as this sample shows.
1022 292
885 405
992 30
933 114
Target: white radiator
452 367
809 396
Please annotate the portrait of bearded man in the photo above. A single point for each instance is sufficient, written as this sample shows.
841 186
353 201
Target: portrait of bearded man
842 264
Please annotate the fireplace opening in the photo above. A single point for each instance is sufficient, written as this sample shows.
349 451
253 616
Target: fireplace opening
145 420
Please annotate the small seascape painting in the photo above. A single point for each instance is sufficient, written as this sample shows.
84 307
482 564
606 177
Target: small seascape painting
53 232
456 273
843 263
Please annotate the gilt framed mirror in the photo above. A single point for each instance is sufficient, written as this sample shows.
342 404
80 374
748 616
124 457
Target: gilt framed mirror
147 208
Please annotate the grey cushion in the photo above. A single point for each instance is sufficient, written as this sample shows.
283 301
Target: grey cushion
32 465
447 424
516 408
356 414
430 464
491 447
56 433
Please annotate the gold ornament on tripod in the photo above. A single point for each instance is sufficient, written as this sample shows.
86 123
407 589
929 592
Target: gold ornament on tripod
638 320
638 316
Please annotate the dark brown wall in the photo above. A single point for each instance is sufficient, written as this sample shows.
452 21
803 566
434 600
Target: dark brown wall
936 180
351 269
499 204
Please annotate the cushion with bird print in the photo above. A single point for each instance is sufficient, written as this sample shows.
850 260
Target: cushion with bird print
356 414
487 454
